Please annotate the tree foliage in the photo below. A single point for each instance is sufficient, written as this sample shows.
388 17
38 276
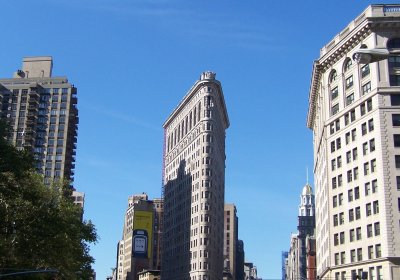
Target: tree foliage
40 226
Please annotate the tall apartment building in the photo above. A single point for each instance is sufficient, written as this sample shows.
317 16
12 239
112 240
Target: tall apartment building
354 113
194 183
43 116
230 240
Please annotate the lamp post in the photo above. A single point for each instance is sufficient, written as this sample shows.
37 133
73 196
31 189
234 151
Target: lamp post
365 56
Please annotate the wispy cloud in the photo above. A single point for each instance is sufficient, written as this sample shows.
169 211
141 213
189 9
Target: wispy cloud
123 117
184 18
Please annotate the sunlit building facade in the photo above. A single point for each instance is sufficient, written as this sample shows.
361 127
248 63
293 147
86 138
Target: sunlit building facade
354 113
194 184
43 116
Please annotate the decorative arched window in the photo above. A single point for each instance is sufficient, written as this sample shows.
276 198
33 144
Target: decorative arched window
347 64
332 76
394 62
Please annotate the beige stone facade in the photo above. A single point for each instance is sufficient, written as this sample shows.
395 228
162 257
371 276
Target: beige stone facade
194 184
354 112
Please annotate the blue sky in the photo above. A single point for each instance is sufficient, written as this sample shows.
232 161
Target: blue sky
133 61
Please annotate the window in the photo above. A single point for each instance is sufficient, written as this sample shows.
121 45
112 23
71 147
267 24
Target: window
371 125
373 165
356 193
369 230
338 144
372 145
358 233
366 88
396 119
354 134
342 240
335 220
377 229
369 105
341 218
347 65
354 153
343 261
353 115
349 99
351 235
353 255
333 164
398 182
370 252
334 93
336 239
395 99
337 261
334 109
379 273
358 213
368 209
378 250
332 146
349 176
362 109
397 161
365 148
396 140
347 138
394 63
340 180
332 76
359 254
367 189
366 168
346 119
365 70
348 157
350 196
340 199
374 186
339 161
334 183
334 202
375 205
351 215
349 82
364 128
337 124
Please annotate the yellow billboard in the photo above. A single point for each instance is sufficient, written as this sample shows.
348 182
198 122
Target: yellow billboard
142 243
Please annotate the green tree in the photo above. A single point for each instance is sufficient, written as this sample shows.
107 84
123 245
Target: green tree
40 226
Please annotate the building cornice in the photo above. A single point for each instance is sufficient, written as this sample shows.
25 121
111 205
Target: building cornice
375 17
193 90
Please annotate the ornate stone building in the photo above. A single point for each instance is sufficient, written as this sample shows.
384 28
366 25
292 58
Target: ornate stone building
194 184
297 256
354 114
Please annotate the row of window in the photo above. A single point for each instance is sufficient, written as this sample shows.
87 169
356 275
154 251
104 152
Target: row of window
365 89
351 116
357 254
338 219
371 273
352 135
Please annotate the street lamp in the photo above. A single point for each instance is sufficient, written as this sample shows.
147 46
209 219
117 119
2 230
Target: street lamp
365 56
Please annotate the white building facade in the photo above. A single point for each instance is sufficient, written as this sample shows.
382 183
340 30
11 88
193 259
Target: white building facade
354 113
194 184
